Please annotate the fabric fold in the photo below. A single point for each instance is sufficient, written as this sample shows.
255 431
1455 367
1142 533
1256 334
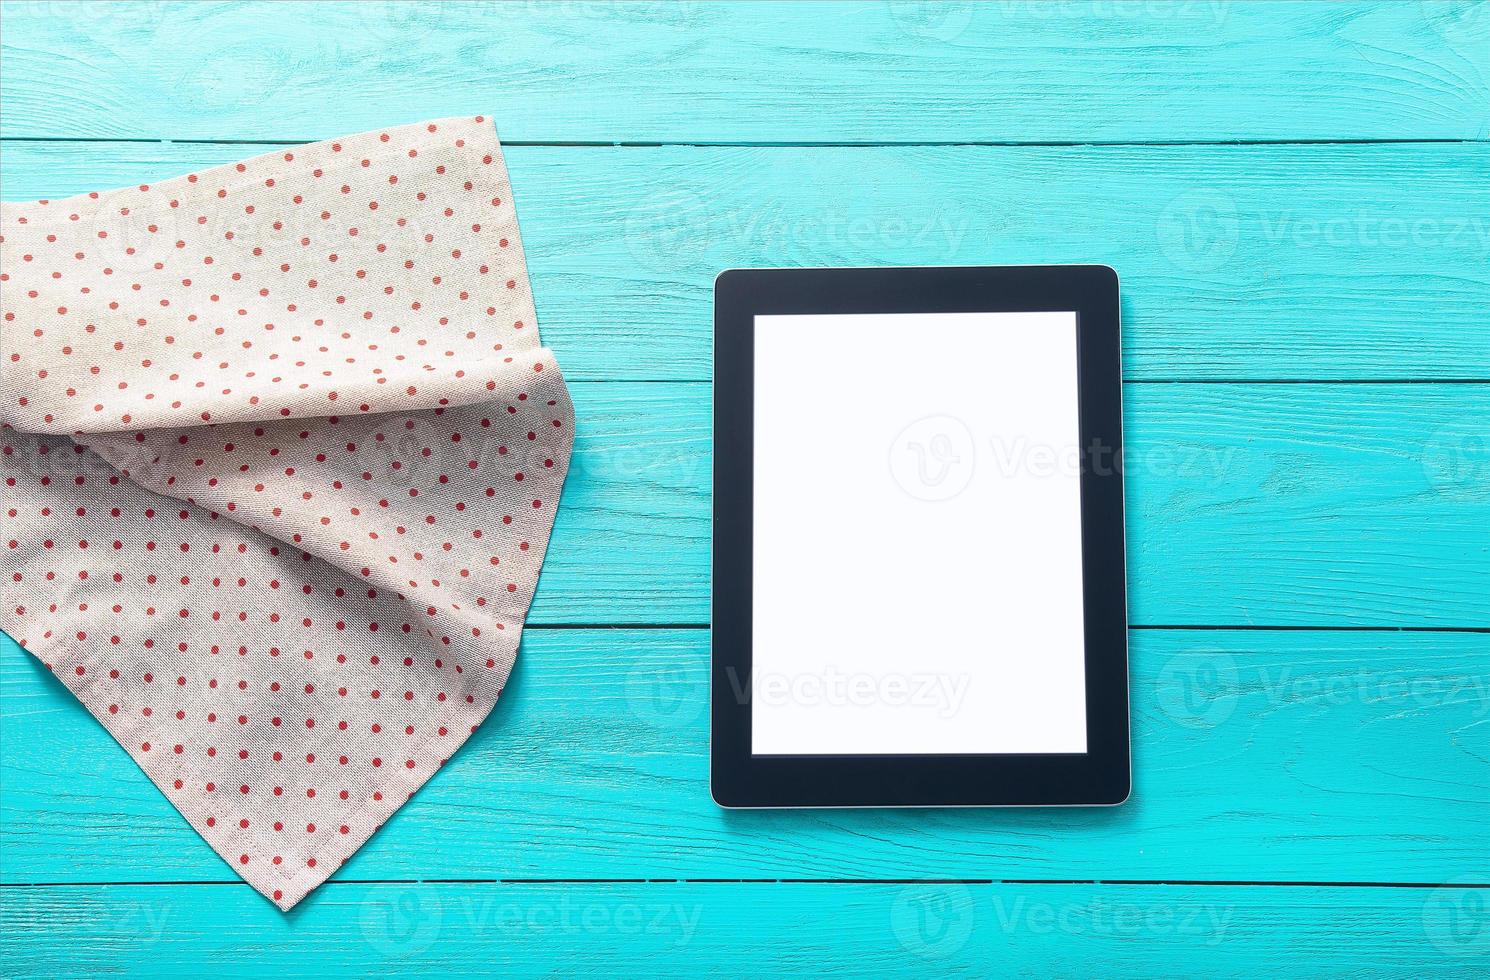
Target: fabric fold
281 455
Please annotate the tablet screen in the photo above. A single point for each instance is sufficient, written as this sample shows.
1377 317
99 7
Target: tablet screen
917 535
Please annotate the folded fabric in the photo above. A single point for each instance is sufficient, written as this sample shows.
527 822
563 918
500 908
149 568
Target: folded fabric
281 455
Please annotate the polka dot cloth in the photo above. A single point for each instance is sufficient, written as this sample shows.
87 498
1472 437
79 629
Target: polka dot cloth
281 454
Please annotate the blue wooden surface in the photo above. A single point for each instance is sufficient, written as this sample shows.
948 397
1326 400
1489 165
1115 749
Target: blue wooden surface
1298 197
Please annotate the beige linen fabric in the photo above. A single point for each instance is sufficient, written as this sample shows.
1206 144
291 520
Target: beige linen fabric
281 455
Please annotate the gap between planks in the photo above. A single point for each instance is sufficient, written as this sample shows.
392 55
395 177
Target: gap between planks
787 144
1209 627
1124 882
1134 381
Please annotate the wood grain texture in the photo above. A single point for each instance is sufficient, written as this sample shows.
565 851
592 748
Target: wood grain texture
1305 505
1258 262
687 930
1258 756
754 72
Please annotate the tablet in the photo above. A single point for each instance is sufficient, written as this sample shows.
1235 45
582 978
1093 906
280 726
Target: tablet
918 594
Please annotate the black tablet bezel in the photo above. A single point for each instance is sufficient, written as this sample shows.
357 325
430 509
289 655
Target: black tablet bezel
1102 775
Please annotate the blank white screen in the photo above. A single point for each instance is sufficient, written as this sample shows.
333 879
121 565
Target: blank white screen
917 535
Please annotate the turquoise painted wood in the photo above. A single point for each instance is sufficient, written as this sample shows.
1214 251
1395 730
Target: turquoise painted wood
1292 192
1258 756
1338 505
674 930
1248 504
1257 262
1005 71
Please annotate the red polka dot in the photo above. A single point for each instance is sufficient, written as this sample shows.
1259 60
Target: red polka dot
196 339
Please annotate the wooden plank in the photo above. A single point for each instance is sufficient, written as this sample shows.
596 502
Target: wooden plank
1309 505
744 929
756 72
631 540
1261 262
1305 505
1258 756
1356 505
